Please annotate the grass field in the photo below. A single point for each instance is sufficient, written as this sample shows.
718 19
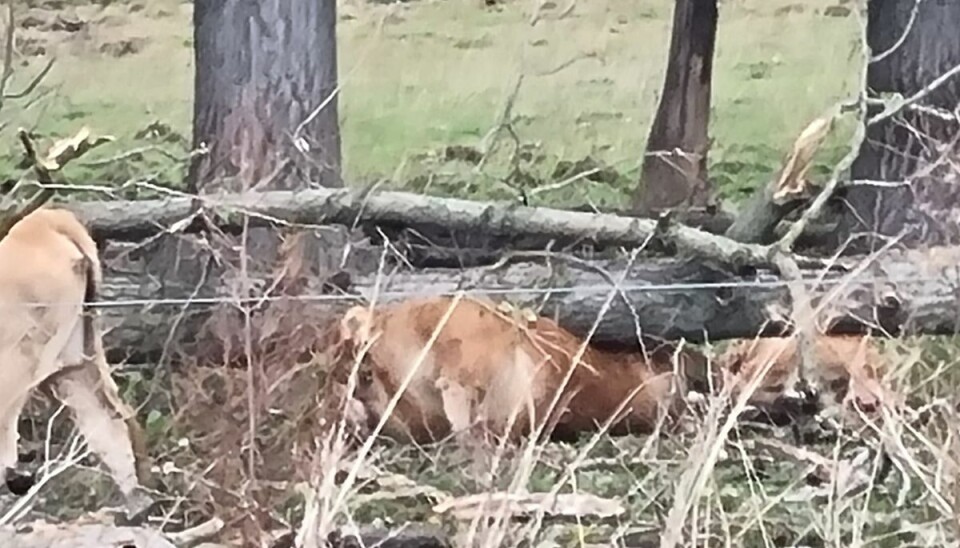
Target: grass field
419 76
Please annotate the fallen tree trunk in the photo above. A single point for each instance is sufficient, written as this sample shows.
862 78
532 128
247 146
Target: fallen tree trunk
903 292
508 223
434 232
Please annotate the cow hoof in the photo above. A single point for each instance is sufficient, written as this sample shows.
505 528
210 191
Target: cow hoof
19 484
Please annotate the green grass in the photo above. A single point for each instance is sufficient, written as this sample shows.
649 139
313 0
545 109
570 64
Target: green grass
422 75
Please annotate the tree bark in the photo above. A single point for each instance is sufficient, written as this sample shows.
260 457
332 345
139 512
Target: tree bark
263 69
902 148
674 173
906 292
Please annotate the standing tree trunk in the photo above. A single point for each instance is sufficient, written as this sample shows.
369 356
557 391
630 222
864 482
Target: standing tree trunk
917 146
675 164
266 110
263 69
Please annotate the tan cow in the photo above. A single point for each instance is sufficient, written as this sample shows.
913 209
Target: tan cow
849 368
487 366
49 270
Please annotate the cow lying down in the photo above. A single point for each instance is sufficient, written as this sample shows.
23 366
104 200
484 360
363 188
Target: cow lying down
493 370
849 372
49 340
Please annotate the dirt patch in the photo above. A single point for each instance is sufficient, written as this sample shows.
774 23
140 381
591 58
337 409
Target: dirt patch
33 21
30 47
123 48
788 9
64 24
837 11
46 22
112 21
161 132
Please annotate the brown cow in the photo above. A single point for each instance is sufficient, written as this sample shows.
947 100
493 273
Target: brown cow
49 271
487 366
850 368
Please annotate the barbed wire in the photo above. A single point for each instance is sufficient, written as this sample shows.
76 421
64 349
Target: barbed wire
505 291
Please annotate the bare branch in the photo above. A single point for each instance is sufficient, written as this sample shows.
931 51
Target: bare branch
344 206
903 36
898 106
33 83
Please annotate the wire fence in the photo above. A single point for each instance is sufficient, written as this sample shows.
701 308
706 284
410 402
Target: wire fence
949 283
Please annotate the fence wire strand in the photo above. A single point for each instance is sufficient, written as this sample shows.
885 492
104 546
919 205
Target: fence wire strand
427 291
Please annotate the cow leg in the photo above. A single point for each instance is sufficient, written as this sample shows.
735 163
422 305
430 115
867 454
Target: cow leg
104 427
23 365
457 404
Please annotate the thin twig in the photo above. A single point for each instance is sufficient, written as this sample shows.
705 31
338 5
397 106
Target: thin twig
7 221
898 106
903 36
141 150
297 136
29 88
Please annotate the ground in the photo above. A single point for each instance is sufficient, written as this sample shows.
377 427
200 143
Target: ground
424 82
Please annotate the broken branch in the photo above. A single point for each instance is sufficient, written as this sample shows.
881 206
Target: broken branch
45 169
348 207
